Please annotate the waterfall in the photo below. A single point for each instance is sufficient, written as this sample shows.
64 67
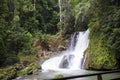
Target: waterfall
73 40
73 57
81 46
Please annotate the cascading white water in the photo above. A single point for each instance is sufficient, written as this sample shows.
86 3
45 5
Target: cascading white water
73 40
80 47
71 59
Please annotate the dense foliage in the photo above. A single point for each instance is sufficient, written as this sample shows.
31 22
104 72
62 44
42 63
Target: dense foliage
105 34
103 19
20 21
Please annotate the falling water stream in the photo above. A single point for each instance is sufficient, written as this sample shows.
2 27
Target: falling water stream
72 59
70 62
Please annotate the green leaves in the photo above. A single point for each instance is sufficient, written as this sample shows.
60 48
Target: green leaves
20 20
104 35
114 41
29 7
47 15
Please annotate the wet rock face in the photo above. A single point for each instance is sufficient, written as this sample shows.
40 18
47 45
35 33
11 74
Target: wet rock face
61 48
66 60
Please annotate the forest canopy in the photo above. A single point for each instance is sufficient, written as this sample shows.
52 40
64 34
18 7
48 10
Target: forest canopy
20 22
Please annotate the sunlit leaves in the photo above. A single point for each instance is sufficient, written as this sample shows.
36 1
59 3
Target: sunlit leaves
29 7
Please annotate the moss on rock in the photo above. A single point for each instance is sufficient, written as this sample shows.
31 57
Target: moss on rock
100 56
59 76
29 69
8 73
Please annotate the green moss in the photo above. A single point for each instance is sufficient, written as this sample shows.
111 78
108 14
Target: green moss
27 59
8 73
46 57
59 76
29 70
35 66
104 38
101 57
16 70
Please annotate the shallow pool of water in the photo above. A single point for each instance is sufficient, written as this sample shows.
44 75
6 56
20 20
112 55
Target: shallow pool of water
66 73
